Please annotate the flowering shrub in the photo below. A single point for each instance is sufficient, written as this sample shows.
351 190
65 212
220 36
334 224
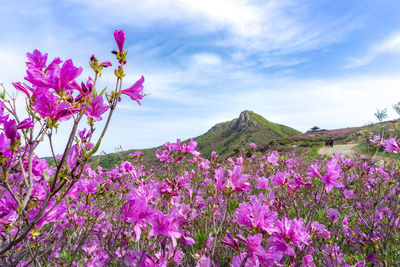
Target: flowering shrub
261 210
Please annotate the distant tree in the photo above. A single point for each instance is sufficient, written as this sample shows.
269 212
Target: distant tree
315 128
396 108
381 114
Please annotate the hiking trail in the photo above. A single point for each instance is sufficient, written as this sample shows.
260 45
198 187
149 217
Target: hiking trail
344 150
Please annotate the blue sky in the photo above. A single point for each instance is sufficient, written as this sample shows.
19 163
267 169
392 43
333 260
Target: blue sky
299 63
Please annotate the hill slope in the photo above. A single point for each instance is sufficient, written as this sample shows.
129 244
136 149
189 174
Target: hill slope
229 137
226 138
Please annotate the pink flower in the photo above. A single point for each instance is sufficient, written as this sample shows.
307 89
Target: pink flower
96 108
36 60
10 129
314 171
106 64
334 257
46 104
23 88
391 145
229 240
25 124
308 261
72 156
332 172
135 91
332 214
4 143
37 78
120 39
262 183
138 154
67 75
273 158
237 180
204 262
349 194
375 139
280 178
253 245
220 179
290 233
89 186
137 212
255 215
165 225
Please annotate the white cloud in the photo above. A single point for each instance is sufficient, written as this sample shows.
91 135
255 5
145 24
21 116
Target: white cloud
206 59
389 45
273 27
328 103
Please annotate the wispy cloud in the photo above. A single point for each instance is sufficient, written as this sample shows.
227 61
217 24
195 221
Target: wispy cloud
206 61
390 45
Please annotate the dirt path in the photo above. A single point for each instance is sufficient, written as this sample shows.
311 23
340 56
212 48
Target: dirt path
341 149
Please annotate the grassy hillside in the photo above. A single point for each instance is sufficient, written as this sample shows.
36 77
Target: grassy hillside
234 136
231 137
226 138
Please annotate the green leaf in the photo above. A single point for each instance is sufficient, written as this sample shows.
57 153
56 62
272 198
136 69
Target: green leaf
94 150
46 176
102 92
233 205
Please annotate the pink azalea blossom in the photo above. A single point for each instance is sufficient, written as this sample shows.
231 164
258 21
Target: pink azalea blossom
36 60
23 88
280 178
230 241
46 104
96 108
10 129
262 183
273 158
348 194
376 139
255 215
89 186
137 212
106 64
290 233
65 76
120 39
4 143
25 124
220 179
391 145
332 173
332 214
165 225
238 181
135 91
73 156
334 257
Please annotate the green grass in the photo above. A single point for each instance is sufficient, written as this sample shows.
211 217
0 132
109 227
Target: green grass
313 153
282 130
362 148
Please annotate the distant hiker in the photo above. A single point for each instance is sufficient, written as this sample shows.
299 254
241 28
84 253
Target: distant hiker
326 142
332 142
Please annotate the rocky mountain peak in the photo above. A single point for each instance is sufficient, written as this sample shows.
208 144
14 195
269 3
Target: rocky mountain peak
244 121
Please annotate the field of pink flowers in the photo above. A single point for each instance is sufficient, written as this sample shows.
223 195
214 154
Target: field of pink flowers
264 209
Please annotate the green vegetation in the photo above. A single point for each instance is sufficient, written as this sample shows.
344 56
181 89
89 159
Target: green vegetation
234 137
282 130
362 148
229 138
313 153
